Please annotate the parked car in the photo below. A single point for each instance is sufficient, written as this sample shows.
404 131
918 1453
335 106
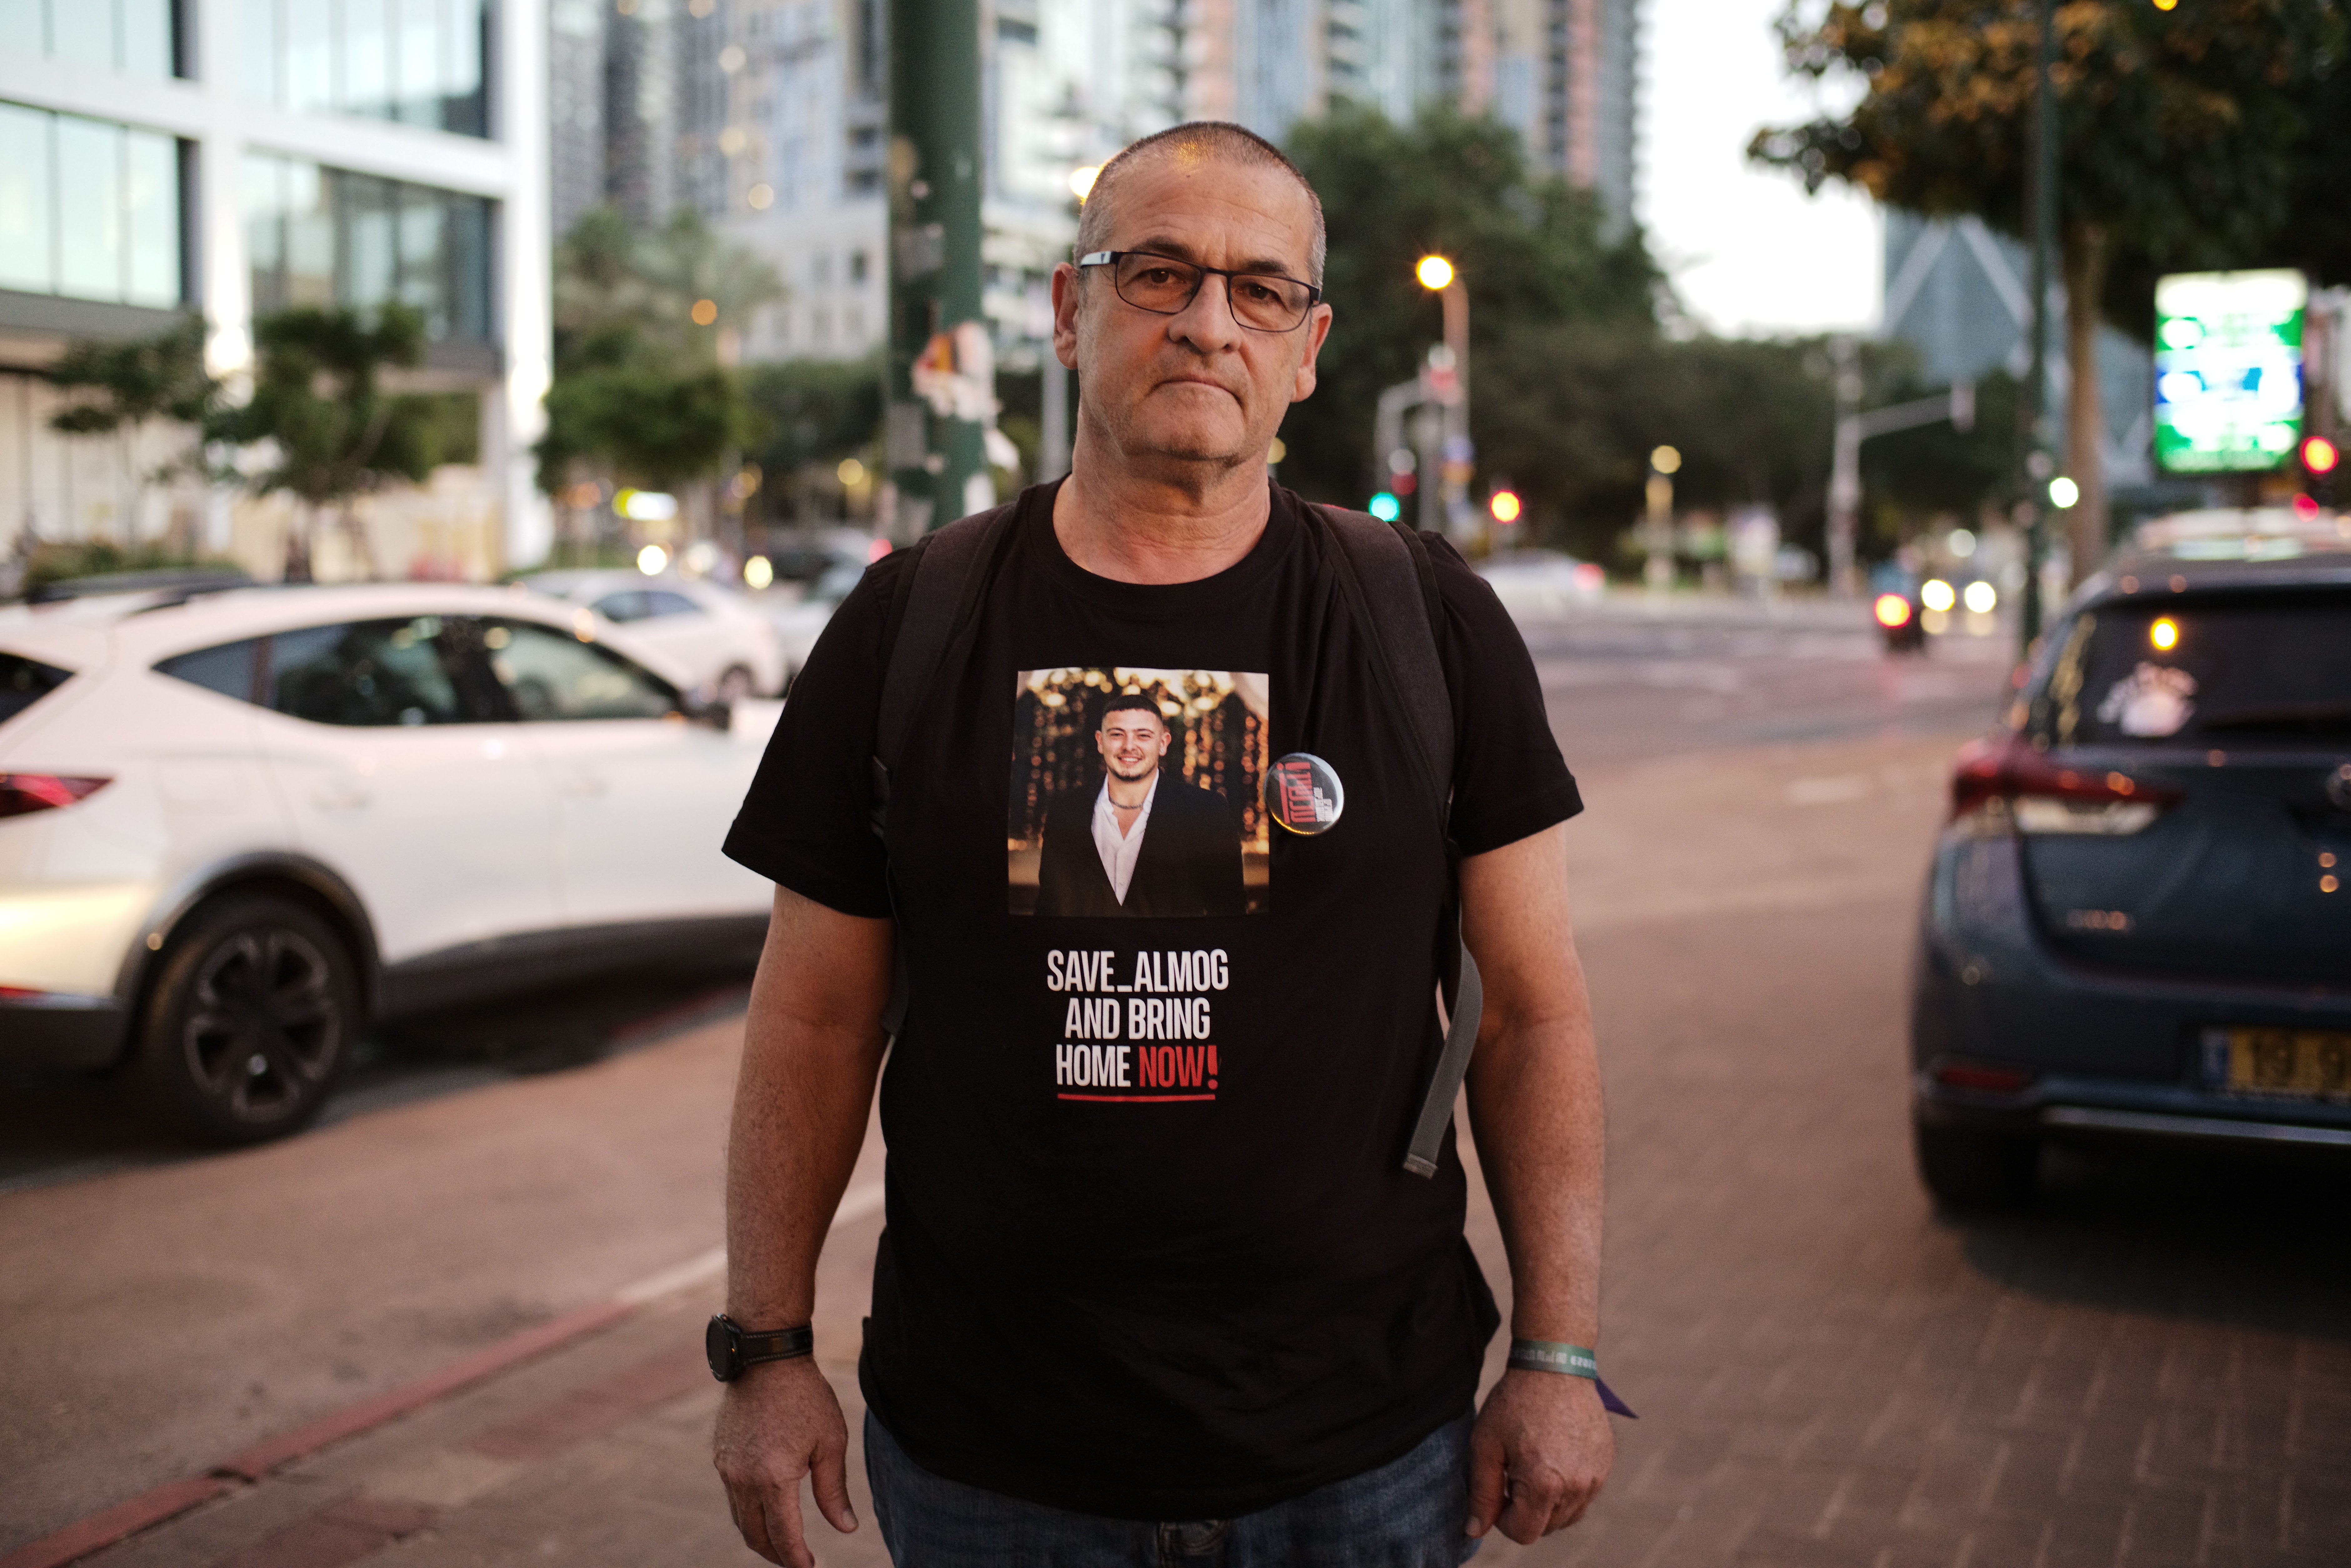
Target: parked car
236 828
2137 922
716 636
1539 585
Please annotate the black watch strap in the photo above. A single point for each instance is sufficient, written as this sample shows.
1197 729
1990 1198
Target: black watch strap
730 1347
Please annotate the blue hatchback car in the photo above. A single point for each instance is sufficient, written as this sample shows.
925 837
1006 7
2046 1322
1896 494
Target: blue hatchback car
2139 918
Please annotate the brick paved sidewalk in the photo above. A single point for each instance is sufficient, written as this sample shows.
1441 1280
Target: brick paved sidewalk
2151 1368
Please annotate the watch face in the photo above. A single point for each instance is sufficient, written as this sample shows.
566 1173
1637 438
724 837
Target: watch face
722 1349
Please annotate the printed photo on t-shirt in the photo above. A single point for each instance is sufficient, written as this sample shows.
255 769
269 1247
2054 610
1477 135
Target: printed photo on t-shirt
1135 792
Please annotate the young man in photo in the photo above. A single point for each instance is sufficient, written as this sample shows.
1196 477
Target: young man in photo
1138 841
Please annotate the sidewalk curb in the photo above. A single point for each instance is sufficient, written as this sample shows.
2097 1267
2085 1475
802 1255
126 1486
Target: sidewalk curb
157 1504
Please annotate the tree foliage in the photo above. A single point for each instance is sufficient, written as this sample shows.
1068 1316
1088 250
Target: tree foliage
319 418
640 384
2207 135
1578 368
1530 252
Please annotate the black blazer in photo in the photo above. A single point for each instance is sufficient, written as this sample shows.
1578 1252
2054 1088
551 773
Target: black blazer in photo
1190 862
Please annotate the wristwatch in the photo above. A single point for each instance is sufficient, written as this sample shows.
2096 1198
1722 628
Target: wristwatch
732 1347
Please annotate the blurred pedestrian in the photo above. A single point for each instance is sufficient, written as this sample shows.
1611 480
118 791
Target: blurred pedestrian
1154 1287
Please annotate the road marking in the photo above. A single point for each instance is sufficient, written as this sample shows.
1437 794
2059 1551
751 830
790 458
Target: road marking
855 1205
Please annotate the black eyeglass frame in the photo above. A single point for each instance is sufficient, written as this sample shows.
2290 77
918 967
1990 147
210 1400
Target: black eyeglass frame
1113 257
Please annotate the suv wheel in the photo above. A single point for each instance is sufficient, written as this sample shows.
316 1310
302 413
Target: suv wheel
735 685
253 1011
1966 1168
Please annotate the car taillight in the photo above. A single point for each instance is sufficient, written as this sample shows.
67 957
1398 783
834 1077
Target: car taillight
2004 781
23 792
1987 1077
1893 611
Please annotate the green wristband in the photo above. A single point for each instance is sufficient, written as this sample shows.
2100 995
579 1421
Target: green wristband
1545 1355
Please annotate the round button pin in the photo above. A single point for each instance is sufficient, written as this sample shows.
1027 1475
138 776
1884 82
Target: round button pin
1303 793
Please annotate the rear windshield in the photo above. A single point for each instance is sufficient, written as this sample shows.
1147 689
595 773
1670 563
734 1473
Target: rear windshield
2237 672
24 682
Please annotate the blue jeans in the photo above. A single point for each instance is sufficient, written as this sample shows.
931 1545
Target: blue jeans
1409 1513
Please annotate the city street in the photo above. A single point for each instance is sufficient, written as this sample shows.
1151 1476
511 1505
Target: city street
2153 1366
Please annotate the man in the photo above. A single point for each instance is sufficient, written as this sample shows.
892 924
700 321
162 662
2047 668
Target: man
1219 1324
1138 843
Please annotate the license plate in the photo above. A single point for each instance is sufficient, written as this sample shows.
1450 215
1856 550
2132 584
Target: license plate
2302 1064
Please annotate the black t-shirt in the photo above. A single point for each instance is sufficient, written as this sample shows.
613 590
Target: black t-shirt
1151 1253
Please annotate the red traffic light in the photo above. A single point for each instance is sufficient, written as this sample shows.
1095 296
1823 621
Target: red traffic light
2319 455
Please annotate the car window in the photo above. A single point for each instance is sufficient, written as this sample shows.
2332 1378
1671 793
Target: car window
24 682
661 601
2226 670
402 672
228 669
623 607
550 675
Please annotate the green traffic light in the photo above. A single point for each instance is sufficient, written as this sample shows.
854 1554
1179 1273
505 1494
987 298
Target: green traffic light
1385 507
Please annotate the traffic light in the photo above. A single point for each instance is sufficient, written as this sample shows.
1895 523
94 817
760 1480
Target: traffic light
2320 458
1386 506
1504 506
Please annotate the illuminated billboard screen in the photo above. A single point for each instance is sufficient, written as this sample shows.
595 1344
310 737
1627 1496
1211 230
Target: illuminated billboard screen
2228 371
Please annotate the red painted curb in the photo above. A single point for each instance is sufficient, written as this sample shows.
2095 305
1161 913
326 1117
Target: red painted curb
271 1452
157 1504
86 1536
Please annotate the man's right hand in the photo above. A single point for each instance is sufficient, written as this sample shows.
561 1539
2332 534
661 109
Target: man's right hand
778 1423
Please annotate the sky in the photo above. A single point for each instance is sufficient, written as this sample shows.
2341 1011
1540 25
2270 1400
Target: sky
1750 254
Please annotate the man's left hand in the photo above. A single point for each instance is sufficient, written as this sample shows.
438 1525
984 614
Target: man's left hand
1539 1453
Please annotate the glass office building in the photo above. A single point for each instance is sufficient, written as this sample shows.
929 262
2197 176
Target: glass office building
234 158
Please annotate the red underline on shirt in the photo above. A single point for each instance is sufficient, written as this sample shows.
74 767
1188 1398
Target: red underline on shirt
1135 1098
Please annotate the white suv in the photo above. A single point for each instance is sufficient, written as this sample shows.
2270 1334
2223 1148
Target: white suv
234 828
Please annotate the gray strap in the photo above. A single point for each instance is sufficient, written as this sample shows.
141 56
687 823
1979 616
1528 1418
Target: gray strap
1452 1067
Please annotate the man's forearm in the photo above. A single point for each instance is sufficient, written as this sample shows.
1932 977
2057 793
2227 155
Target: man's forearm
812 1045
1534 1105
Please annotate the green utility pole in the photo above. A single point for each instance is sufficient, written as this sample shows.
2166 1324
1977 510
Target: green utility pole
941 384
2041 193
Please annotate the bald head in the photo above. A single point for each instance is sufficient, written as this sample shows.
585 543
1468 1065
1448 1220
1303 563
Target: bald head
1198 142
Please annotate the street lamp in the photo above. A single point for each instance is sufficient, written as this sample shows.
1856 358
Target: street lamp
1449 380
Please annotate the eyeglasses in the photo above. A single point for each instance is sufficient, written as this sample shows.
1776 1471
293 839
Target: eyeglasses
1261 301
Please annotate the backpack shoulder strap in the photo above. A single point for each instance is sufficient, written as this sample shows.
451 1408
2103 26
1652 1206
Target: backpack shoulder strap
933 607
1384 572
935 600
1391 586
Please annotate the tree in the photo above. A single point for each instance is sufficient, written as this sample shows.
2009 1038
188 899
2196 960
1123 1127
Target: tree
327 430
646 330
809 412
2187 136
120 388
1531 253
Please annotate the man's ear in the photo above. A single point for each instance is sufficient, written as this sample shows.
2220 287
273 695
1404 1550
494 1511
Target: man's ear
1066 278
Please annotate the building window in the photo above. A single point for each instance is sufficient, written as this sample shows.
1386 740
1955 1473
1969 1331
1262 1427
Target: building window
89 208
136 38
327 237
419 62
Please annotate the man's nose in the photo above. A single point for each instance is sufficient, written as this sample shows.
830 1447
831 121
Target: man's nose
1207 323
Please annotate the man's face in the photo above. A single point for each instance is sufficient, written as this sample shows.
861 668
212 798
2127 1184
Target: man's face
1133 740
1195 388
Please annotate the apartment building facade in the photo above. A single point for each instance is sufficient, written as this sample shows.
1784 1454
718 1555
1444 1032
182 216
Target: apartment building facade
232 158
775 119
